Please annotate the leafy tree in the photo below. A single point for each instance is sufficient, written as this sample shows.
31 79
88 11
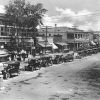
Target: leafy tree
22 14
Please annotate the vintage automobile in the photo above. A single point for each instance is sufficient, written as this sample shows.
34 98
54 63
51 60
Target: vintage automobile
68 56
57 58
33 64
46 60
7 67
76 55
82 53
95 50
10 68
38 62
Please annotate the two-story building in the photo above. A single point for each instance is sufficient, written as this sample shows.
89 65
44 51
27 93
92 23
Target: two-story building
72 36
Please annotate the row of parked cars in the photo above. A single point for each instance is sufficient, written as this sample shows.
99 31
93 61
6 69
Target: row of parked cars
87 52
47 60
8 68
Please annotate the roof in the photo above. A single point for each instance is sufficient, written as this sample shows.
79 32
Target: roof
61 29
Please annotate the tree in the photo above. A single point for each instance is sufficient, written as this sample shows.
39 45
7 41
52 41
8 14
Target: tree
22 14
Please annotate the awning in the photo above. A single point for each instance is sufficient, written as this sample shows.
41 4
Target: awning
50 41
42 44
54 46
62 44
93 43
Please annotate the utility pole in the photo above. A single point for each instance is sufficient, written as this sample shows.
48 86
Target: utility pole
46 40
74 43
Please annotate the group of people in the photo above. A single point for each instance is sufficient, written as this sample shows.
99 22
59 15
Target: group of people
17 56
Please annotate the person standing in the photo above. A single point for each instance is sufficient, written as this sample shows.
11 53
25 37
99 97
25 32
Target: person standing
23 56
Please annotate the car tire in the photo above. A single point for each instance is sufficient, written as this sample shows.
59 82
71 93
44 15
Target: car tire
7 75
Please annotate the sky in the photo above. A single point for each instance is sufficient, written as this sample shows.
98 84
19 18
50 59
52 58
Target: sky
84 14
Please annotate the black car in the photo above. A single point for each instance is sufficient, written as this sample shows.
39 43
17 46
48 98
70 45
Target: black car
33 64
10 68
46 61
68 57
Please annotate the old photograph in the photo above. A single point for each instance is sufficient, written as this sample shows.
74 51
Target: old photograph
49 49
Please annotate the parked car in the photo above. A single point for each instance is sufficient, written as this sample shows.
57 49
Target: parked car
58 58
46 60
68 56
33 64
10 68
4 57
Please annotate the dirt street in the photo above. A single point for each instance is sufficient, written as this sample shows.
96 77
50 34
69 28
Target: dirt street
77 80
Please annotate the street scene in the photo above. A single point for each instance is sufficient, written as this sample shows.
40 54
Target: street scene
49 50
77 80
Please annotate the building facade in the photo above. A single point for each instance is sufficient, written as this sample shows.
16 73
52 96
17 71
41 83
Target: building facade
20 35
72 36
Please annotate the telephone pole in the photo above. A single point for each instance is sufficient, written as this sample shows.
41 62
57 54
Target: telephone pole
46 40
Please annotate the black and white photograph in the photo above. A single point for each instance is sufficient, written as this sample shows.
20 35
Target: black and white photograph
49 49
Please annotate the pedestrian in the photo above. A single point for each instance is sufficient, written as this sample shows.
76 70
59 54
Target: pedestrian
23 56
12 56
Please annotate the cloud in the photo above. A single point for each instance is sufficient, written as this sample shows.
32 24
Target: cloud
52 20
2 9
83 19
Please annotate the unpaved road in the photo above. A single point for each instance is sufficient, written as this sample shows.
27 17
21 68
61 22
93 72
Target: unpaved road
77 80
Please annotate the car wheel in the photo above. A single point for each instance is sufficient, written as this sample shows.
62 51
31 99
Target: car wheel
7 75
